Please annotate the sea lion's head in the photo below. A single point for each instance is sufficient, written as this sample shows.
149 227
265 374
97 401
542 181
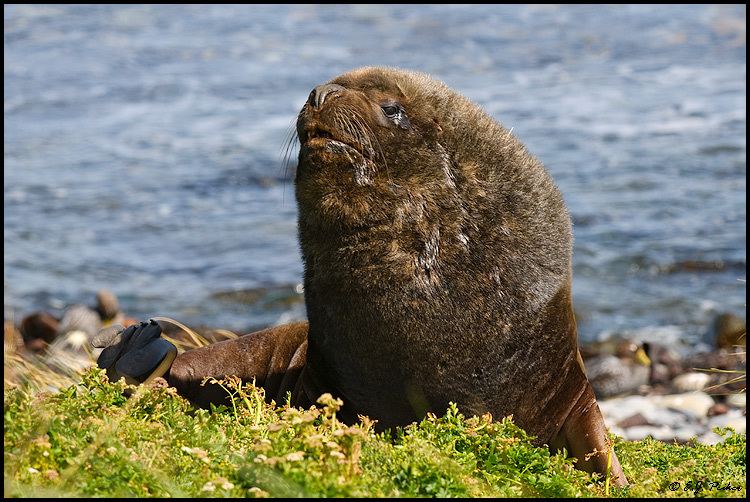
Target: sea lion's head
400 174
382 145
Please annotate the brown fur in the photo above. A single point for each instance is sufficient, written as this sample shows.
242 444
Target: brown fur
273 358
437 257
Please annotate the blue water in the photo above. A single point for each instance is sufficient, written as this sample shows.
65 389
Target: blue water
144 148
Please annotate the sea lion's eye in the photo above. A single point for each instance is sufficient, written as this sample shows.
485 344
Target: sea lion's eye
391 111
396 114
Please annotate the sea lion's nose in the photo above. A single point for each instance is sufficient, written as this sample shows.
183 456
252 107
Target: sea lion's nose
321 92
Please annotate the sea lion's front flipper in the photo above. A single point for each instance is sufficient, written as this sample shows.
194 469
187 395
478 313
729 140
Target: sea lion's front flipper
585 437
274 357
138 354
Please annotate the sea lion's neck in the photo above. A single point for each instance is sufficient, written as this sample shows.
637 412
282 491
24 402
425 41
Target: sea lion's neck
402 248
369 258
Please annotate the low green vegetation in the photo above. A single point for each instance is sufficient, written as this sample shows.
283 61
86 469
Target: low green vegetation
91 440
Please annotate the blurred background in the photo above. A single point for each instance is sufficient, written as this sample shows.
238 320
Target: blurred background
144 149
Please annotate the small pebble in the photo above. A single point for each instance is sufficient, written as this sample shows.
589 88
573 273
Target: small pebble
633 420
717 409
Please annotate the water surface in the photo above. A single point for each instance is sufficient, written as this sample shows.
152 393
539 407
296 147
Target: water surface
144 144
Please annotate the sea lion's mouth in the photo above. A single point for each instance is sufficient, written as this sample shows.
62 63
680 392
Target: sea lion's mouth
317 132
319 137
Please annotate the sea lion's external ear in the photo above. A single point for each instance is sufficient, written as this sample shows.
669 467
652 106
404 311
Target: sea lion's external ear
437 125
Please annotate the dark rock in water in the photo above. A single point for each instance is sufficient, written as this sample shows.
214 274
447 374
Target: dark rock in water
719 149
80 318
38 329
270 297
729 331
107 305
698 266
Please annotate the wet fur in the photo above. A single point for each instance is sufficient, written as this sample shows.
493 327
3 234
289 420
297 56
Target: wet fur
437 256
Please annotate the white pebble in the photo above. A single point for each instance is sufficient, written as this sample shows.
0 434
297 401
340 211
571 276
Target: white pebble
733 419
691 381
662 432
696 403
710 438
737 400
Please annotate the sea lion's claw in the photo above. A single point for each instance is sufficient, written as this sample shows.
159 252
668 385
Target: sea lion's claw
145 333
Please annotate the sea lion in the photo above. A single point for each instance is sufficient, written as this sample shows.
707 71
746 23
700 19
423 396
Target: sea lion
437 268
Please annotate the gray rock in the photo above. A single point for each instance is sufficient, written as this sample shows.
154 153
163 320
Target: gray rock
80 318
672 411
633 421
611 375
107 305
675 417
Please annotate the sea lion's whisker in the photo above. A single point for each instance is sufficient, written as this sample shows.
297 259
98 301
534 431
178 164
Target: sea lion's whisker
286 155
372 135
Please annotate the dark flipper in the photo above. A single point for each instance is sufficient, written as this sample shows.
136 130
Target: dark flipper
584 435
274 357
137 353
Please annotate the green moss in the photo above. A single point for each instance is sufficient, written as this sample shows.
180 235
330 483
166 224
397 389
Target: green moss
89 440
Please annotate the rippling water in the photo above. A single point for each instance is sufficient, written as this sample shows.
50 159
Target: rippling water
143 147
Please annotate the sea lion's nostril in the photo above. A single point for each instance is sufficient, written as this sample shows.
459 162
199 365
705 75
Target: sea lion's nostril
319 94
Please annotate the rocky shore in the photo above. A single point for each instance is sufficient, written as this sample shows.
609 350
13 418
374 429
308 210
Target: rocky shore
643 388
674 417
647 389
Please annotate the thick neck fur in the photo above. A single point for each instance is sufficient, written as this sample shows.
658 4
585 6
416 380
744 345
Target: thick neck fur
450 213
